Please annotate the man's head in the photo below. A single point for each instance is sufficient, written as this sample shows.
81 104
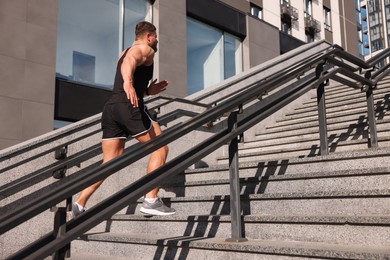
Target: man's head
147 31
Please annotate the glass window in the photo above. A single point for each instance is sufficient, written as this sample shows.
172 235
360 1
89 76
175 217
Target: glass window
256 11
327 19
308 8
233 55
309 37
286 27
88 38
135 11
212 55
363 13
204 56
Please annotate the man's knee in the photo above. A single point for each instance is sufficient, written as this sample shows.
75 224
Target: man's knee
162 152
166 149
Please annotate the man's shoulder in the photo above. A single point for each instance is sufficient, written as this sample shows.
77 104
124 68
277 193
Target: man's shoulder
141 47
142 50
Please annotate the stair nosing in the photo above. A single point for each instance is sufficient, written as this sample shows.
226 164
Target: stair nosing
288 219
290 248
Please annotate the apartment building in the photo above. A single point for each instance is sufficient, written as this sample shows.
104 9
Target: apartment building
57 57
373 19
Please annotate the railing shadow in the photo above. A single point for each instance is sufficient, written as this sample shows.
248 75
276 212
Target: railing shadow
44 190
354 132
383 106
198 227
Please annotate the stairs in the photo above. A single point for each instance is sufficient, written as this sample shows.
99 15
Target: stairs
295 203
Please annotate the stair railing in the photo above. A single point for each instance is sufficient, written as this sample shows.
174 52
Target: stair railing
51 243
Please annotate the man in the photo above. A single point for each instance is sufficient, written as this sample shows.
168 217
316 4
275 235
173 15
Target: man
126 115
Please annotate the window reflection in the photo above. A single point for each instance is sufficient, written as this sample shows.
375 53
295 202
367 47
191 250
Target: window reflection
88 38
212 55
135 11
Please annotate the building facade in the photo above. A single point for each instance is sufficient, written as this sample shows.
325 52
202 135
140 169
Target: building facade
373 18
57 57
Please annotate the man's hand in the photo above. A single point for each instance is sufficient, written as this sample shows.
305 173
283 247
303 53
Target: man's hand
131 94
155 88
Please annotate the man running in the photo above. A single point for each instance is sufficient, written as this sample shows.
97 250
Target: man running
126 115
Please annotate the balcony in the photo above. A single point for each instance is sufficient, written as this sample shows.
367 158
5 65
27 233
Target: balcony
312 25
288 12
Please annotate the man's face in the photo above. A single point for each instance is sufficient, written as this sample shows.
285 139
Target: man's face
152 41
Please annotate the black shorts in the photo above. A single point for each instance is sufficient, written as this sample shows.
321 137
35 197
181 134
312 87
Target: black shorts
121 120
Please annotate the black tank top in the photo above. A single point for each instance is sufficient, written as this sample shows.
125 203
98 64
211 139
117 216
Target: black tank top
142 76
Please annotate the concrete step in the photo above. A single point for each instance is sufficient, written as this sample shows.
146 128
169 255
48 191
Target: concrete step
340 129
351 94
338 105
353 112
354 179
302 150
337 87
348 230
334 202
310 146
334 162
145 246
307 140
381 108
345 122
94 256
274 136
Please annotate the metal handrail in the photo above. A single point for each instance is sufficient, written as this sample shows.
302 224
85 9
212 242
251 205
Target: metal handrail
103 210
284 58
95 150
73 160
207 116
91 122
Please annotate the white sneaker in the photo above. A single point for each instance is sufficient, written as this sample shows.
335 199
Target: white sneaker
157 208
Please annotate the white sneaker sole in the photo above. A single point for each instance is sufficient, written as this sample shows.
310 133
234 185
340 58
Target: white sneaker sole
155 212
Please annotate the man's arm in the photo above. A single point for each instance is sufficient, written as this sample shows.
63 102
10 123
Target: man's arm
136 56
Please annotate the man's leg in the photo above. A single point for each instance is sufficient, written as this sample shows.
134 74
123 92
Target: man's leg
152 204
111 148
157 158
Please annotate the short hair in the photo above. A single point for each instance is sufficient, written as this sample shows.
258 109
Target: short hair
144 27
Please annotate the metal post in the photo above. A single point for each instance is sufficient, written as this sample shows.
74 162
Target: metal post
373 140
59 229
322 113
121 26
235 203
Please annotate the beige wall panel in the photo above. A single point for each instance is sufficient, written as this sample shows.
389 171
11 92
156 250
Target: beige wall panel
39 12
257 2
11 119
14 8
298 26
41 45
261 48
328 36
28 37
12 37
11 77
243 6
35 119
271 13
170 18
39 89
335 16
